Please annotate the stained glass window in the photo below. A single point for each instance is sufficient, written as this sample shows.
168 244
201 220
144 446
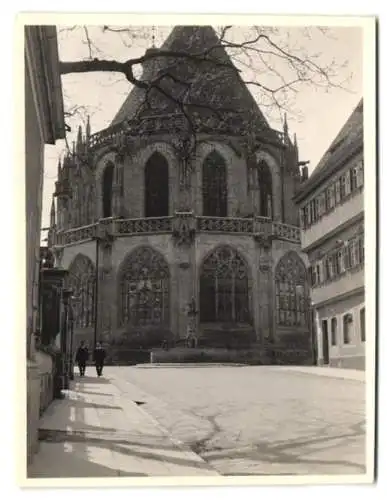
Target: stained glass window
144 289
291 291
156 186
266 191
224 288
214 186
107 188
81 280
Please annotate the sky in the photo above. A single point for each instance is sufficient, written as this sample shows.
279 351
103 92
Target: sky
315 114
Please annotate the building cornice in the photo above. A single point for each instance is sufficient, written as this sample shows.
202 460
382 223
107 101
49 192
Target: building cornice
41 49
337 230
343 296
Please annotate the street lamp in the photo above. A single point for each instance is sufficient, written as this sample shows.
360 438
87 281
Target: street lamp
97 240
73 299
64 339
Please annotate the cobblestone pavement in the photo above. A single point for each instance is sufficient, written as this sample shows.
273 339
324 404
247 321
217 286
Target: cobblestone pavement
255 420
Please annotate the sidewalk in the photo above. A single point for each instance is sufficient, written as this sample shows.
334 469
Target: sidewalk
327 371
99 431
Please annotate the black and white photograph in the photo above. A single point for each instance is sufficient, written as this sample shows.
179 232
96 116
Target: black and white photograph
200 223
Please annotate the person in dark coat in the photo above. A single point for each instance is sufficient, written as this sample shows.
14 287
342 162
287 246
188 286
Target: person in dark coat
81 358
99 358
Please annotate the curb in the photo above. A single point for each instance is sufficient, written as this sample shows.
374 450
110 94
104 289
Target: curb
202 464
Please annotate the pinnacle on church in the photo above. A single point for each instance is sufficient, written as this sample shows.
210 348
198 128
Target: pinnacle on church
79 139
296 146
286 129
59 169
88 129
52 213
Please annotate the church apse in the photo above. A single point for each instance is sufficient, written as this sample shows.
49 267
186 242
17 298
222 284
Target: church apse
144 297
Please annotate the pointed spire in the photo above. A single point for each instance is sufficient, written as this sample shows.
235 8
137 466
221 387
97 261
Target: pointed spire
88 129
79 139
52 214
59 170
286 129
73 148
295 147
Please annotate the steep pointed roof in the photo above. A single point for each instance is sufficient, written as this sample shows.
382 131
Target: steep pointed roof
348 140
213 85
350 133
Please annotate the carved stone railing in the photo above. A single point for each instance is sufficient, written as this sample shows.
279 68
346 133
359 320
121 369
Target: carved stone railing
259 227
147 225
75 235
285 231
225 225
227 124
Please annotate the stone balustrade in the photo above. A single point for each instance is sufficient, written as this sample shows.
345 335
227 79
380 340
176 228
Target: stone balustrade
255 226
226 124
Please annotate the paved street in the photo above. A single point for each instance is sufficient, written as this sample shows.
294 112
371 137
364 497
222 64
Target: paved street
257 420
181 421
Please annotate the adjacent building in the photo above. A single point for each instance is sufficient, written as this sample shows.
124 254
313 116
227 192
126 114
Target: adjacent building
44 124
168 234
331 206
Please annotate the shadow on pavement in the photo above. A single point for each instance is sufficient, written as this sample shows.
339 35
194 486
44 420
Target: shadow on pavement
76 449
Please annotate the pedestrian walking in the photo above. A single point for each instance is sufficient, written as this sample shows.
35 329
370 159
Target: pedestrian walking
81 358
99 358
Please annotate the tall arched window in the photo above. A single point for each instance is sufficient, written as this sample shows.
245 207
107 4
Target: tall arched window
81 280
107 189
156 186
144 289
214 186
291 291
266 190
224 288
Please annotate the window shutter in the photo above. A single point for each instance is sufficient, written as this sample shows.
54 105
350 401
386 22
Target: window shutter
360 175
337 192
347 183
323 203
302 217
310 275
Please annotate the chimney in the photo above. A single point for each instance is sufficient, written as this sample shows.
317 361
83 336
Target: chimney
304 174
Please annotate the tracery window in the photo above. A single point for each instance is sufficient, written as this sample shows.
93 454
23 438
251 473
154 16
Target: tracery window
291 291
144 289
224 288
266 189
214 185
81 280
156 186
107 189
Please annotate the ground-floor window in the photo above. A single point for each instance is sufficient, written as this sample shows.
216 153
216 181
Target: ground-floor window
347 328
224 288
362 325
81 280
144 289
291 291
333 331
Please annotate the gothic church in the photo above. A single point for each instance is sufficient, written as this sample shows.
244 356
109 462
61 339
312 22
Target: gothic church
179 222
